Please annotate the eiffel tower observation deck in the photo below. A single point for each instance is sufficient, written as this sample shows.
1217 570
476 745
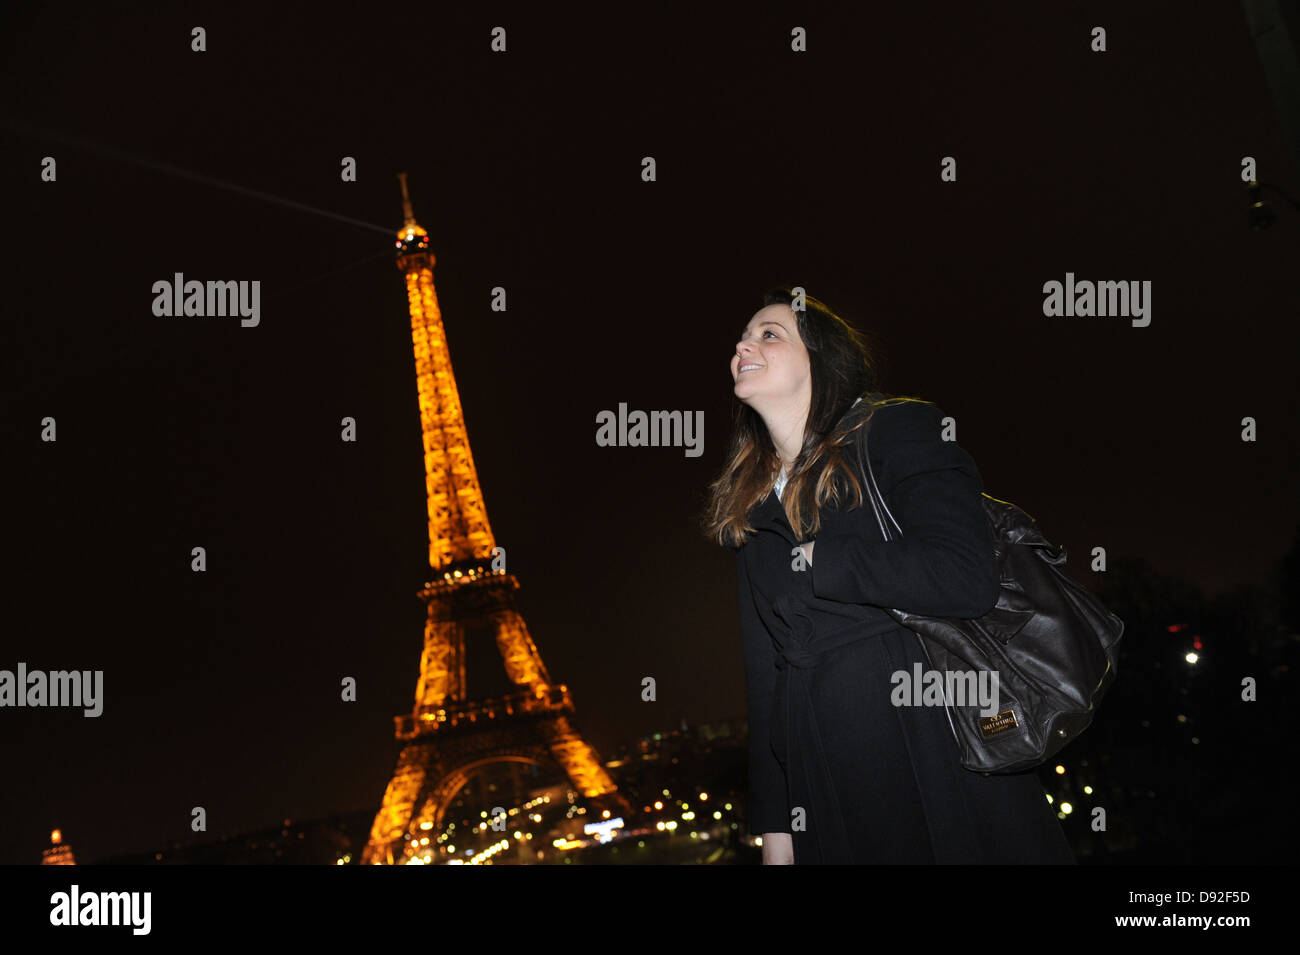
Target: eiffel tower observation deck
448 736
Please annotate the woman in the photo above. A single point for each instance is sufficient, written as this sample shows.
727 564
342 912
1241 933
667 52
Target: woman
837 773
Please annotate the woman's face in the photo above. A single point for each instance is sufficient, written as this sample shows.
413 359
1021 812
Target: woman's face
771 361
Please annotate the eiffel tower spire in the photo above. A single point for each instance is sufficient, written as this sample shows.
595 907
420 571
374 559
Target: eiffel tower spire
448 735
459 532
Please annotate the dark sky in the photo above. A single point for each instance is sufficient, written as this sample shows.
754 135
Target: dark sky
818 169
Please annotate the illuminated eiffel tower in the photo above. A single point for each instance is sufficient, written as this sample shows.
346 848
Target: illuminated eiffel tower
448 737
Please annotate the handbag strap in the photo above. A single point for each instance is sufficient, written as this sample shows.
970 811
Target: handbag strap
873 490
878 504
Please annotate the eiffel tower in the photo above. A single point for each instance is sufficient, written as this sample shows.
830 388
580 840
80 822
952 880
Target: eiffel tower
448 737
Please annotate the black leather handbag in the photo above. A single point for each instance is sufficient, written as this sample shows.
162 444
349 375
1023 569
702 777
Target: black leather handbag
1052 644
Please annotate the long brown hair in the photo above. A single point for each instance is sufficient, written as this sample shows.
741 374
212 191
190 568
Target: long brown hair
842 368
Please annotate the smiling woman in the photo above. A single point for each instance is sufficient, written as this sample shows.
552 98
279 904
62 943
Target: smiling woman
781 423
841 769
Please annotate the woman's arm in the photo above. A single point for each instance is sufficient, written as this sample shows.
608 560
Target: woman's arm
944 563
767 809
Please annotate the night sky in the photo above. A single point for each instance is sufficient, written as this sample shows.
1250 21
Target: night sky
818 169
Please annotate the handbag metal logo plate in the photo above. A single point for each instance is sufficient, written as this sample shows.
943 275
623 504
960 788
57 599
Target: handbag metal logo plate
993 725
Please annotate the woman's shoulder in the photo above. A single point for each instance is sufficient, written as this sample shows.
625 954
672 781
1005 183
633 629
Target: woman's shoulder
892 415
909 437
908 411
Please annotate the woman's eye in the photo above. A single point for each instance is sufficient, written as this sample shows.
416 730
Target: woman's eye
768 331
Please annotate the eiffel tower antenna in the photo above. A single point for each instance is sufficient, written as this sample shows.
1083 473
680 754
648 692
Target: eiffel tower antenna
449 736
406 201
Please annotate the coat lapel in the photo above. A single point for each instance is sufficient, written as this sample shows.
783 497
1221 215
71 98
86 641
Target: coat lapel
770 515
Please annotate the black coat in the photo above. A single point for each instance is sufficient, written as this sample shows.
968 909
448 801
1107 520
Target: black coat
867 781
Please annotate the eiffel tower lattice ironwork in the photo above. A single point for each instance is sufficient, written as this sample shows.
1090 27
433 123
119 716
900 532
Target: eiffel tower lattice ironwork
449 737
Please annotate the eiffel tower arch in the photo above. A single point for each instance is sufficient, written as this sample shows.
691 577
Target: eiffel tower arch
449 736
